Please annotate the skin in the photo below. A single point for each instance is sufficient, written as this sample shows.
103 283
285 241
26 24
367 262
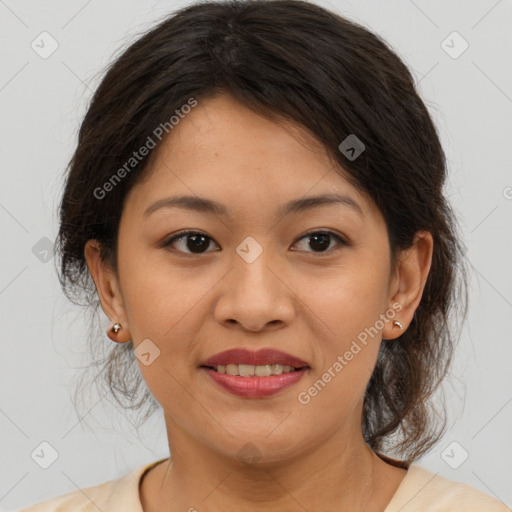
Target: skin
293 297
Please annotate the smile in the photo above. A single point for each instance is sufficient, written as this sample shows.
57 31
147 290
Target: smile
250 370
253 385
250 374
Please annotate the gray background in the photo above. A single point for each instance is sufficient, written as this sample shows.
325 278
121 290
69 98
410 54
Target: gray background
43 337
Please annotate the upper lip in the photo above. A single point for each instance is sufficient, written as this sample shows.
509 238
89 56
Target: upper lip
261 357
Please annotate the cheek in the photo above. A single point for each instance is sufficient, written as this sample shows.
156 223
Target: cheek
159 298
346 309
164 305
347 301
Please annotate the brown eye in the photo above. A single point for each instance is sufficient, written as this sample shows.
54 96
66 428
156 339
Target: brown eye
190 241
320 241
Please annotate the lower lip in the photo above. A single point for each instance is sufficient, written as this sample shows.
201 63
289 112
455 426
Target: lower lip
255 387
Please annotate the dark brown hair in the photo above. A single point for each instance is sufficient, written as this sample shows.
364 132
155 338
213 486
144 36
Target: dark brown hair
295 61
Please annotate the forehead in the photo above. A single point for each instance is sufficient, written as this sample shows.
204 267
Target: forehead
223 149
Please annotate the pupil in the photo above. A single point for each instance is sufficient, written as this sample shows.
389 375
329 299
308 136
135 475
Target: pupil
196 244
324 241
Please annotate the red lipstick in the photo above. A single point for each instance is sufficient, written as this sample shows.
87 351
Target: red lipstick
263 356
254 386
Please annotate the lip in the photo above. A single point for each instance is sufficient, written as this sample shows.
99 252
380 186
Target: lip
255 387
261 357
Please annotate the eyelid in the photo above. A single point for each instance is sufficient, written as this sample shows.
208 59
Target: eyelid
342 241
181 234
327 231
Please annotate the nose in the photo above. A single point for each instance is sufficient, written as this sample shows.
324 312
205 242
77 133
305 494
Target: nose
255 296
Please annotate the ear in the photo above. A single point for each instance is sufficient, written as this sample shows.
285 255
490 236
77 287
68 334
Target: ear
408 283
108 289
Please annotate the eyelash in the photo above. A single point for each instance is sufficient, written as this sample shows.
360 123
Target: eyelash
184 233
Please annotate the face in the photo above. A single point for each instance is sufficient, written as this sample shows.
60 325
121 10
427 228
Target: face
313 282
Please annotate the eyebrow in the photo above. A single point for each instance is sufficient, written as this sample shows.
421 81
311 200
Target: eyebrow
209 206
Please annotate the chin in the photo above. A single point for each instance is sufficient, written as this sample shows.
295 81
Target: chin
256 447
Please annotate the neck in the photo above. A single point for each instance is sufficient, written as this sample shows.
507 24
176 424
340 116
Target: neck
338 473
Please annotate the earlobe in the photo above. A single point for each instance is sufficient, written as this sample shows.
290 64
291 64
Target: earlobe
409 282
114 334
108 290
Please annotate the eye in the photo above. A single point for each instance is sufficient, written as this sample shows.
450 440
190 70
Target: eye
196 242
321 240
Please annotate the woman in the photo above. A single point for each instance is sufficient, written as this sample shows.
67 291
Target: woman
256 198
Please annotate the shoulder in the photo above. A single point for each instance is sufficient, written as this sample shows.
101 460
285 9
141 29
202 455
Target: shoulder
425 491
120 494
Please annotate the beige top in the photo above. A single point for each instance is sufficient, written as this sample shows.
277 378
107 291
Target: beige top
419 491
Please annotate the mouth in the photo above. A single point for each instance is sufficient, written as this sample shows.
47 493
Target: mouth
255 374
245 363
251 370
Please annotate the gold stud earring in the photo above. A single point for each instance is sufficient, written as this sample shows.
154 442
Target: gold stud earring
116 327
112 332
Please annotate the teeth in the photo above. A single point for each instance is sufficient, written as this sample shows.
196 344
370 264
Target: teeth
246 370
250 370
263 371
